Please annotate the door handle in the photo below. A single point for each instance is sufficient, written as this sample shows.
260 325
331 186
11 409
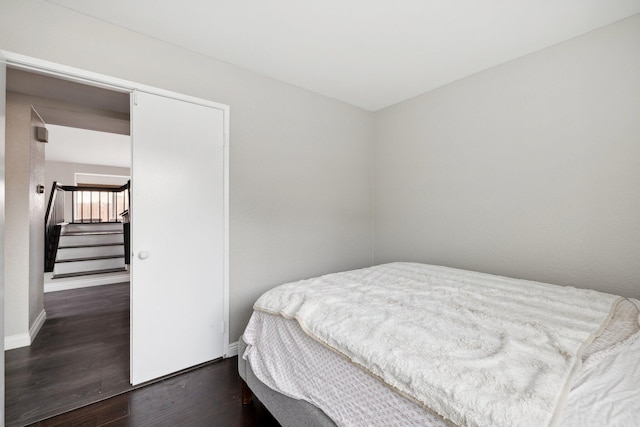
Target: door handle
143 255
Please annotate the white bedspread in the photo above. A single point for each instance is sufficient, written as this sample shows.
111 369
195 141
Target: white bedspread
501 351
606 391
290 362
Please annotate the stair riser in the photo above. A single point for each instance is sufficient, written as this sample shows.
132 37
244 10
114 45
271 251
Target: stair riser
87 266
89 252
97 227
96 239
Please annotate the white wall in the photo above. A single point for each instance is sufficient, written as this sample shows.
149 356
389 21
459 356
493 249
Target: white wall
24 243
530 169
2 225
64 173
37 208
301 177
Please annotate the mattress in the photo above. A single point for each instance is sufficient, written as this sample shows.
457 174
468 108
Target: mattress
291 362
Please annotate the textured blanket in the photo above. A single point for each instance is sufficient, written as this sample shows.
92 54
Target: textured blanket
478 349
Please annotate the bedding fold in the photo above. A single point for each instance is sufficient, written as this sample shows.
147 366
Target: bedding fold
480 350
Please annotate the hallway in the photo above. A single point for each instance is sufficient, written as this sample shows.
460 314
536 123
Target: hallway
80 356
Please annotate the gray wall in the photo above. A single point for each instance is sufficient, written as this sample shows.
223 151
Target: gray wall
530 169
301 173
24 243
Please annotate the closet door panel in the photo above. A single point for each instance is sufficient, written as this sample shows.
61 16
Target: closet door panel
177 235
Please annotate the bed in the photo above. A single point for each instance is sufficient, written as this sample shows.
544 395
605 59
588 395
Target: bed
413 344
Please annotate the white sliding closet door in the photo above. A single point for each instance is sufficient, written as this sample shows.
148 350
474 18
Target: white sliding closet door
177 235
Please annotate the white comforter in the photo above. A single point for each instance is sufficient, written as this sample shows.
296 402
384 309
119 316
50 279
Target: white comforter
500 351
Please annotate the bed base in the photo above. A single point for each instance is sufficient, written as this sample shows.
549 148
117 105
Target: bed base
287 411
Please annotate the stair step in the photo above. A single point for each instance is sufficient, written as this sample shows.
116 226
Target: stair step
86 273
90 258
90 239
94 226
94 222
96 245
90 233
89 252
90 264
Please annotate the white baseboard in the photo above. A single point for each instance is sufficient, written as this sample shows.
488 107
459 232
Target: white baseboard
24 340
35 328
84 282
16 341
233 350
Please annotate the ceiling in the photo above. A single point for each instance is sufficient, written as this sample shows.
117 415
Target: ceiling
86 124
369 53
55 88
73 145
66 103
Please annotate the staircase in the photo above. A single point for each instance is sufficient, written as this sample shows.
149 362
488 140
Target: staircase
90 248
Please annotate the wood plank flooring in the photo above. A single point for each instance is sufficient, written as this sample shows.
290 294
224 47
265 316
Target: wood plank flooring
81 355
208 396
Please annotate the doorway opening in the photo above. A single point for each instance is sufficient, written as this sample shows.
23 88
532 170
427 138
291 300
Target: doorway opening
179 298
88 173
80 355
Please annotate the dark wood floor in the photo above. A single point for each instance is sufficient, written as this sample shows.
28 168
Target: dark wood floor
81 355
208 396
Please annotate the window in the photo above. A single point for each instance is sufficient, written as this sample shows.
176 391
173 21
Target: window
99 206
105 198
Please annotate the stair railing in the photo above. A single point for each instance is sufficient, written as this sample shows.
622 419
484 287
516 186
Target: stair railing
53 220
98 204
89 204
